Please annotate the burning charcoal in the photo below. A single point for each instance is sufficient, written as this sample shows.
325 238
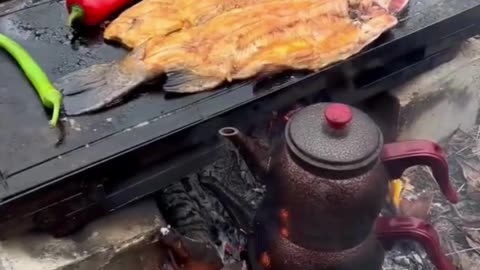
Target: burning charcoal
183 213
189 254
214 205
241 211
233 172
197 213
221 224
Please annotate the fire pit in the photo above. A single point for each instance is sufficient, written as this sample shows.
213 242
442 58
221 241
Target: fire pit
118 156
230 240
234 214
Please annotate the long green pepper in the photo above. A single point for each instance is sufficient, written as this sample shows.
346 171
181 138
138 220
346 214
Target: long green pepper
49 96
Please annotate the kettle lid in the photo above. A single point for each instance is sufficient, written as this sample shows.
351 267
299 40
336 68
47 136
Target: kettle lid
334 136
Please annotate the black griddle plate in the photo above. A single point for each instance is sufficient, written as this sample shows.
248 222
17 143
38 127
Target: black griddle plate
30 161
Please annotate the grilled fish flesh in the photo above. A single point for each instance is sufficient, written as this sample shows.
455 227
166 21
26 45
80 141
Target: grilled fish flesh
152 18
238 44
146 19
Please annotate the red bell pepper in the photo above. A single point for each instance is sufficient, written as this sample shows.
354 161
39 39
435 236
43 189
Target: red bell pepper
93 12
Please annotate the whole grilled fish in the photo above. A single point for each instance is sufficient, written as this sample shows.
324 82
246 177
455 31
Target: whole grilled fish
239 44
152 18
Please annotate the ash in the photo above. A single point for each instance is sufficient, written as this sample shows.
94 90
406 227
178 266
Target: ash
407 255
195 211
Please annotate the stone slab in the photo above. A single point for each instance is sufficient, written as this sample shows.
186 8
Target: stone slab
435 103
125 239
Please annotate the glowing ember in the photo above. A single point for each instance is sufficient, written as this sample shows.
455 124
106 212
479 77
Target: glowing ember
265 260
284 215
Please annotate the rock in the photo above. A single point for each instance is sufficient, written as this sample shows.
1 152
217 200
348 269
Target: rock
125 239
435 103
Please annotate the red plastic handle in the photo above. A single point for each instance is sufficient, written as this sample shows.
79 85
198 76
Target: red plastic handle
390 229
399 156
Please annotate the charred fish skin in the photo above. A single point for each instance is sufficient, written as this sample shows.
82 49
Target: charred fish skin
99 86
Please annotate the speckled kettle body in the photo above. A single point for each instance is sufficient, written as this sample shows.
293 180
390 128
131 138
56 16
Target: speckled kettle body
329 177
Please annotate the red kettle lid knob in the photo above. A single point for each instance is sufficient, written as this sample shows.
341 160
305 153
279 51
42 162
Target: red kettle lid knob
338 115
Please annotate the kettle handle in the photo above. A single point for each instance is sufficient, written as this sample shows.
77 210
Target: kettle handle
399 156
390 229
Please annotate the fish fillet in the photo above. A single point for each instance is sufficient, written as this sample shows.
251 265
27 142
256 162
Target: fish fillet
238 44
276 44
152 18
144 20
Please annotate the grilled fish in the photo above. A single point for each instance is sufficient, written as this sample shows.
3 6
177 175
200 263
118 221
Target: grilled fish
146 19
238 44
152 18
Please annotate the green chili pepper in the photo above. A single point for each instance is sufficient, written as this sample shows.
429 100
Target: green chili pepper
49 96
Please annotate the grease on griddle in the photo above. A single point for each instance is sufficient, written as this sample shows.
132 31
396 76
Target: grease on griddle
83 36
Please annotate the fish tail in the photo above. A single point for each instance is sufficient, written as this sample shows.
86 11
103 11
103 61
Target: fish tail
100 86
186 81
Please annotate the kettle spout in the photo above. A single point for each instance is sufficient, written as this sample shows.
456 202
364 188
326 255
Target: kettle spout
250 151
